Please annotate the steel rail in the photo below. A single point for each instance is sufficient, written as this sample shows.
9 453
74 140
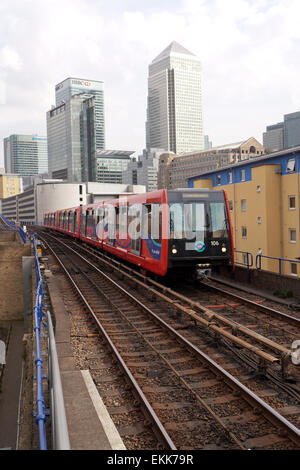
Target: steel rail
210 317
263 308
272 415
132 273
163 435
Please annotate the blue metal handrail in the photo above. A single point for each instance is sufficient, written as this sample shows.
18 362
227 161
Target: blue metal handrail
280 261
249 261
38 309
12 226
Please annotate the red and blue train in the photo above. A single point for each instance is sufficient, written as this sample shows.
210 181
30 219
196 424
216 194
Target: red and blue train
184 230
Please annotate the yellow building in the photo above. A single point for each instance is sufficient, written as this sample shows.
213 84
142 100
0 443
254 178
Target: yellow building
264 196
10 185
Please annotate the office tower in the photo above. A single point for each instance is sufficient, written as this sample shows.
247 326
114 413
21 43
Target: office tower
291 130
71 131
25 155
207 143
273 137
174 113
144 170
111 164
73 86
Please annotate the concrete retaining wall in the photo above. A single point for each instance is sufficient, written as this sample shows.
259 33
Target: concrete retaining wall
266 280
11 284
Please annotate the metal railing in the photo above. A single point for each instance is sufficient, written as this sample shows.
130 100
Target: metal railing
12 226
59 427
60 434
38 313
248 262
259 257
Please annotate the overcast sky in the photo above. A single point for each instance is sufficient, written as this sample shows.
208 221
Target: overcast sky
250 53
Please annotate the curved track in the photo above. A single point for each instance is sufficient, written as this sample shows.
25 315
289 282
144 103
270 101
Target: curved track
191 400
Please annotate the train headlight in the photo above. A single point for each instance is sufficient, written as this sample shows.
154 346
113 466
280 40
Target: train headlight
224 249
174 250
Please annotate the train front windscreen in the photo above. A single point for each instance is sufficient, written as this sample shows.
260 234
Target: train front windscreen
198 228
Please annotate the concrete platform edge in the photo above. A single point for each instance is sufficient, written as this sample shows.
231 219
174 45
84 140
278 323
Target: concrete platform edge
110 429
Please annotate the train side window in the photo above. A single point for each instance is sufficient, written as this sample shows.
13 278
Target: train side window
123 221
82 223
117 210
218 220
147 216
134 227
111 213
156 222
75 222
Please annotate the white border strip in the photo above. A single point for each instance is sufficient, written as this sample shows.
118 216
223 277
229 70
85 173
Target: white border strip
110 430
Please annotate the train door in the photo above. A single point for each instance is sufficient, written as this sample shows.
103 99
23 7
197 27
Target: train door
110 215
134 227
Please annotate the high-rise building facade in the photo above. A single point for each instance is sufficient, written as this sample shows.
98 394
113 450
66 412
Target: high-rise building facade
174 113
111 164
71 131
291 130
283 135
273 137
144 170
25 155
73 86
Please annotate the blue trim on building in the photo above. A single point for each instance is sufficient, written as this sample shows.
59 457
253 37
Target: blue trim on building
242 172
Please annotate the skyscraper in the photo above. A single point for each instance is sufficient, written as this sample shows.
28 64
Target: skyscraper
283 135
73 86
174 114
71 139
25 155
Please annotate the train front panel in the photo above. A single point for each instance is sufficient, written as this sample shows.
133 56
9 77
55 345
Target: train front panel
200 236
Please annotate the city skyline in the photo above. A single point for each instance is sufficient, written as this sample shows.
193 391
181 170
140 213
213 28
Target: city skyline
248 51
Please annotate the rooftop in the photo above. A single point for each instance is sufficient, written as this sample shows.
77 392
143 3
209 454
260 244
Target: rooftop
251 161
173 48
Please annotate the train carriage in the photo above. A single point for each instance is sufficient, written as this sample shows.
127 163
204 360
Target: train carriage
186 230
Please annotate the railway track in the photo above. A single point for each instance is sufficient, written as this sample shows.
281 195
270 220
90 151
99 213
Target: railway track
192 402
266 342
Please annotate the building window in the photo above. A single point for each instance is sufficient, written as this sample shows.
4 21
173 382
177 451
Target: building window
243 175
219 180
258 189
292 235
230 177
230 204
259 220
244 232
290 165
292 202
294 270
243 205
